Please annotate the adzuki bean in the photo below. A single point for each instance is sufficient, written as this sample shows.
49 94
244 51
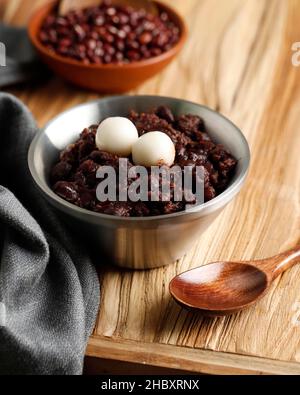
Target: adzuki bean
109 34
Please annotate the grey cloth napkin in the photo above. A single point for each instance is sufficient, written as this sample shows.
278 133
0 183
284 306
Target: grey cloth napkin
49 289
22 63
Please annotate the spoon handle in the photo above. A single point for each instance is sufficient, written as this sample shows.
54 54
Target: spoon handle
66 6
280 263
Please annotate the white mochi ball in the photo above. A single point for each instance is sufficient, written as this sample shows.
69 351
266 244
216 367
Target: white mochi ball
117 136
154 149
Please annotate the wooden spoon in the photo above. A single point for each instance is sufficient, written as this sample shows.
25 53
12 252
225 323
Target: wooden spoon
71 5
223 288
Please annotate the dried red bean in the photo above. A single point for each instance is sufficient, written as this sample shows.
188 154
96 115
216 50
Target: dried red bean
111 11
100 20
133 55
120 45
161 40
109 49
44 37
92 44
112 30
99 52
164 17
126 28
95 36
108 38
107 59
133 34
121 34
132 44
119 56
145 38
79 32
124 19
156 51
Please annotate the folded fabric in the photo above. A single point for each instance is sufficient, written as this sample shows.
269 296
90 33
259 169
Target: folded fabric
21 60
49 289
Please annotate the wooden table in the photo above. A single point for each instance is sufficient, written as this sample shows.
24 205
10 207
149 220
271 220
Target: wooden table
238 61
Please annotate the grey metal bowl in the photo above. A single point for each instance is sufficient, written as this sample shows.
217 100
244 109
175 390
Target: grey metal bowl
136 243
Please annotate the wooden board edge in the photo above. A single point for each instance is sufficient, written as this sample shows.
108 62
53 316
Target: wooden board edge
187 359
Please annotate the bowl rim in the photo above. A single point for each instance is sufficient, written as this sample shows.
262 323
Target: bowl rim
110 66
226 196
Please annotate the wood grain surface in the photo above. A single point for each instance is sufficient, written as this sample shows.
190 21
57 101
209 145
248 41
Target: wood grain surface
237 61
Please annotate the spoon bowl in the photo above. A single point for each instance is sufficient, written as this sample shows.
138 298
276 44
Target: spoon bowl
223 288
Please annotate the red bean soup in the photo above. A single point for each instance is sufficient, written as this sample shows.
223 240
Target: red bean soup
74 179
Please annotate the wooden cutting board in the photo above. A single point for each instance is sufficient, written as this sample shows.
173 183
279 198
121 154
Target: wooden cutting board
238 60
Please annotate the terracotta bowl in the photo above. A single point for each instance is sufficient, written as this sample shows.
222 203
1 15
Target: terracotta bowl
112 78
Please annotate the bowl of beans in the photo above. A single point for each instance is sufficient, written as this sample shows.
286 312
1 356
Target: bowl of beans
107 48
138 132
